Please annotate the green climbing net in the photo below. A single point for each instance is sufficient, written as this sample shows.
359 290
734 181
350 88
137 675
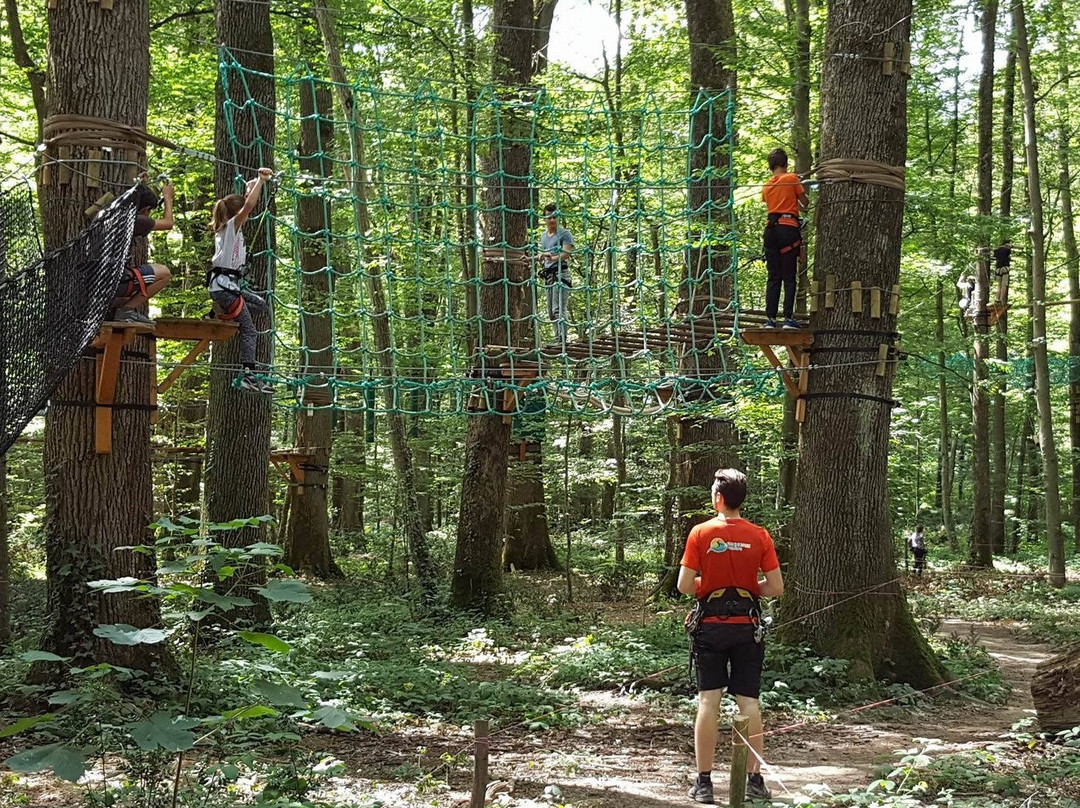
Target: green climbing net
621 178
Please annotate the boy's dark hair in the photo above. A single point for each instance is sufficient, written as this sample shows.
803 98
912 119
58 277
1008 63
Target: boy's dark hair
145 198
731 485
551 210
777 159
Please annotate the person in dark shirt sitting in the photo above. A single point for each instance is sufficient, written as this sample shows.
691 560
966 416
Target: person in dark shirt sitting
142 281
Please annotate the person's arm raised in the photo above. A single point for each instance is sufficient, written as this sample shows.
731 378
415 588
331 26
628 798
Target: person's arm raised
252 198
166 221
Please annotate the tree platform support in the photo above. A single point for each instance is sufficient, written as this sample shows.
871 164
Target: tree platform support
293 464
795 376
115 336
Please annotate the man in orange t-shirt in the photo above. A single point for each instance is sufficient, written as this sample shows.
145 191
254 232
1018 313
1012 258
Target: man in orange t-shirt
785 198
720 567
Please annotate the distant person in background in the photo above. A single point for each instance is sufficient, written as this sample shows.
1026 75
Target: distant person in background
556 244
917 543
785 198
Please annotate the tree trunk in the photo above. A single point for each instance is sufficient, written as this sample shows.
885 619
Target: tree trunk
307 543
798 13
5 560
349 483
981 535
1055 689
477 580
1047 444
238 423
419 550
528 539
705 444
96 503
618 446
945 476
842 514
1001 349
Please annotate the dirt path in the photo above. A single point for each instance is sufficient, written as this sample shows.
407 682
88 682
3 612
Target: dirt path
639 758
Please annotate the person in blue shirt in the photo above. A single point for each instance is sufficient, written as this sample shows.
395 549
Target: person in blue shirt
556 244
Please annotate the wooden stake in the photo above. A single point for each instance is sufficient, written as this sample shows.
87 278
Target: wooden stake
815 290
894 301
830 291
905 60
804 383
888 54
480 764
875 302
65 168
740 728
882 355
93 169
856 297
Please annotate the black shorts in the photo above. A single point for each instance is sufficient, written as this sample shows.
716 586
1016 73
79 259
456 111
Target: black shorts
728 657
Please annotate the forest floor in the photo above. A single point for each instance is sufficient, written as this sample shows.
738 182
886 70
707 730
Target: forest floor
640 755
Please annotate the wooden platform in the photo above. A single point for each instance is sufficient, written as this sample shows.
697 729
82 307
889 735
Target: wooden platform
293 463
794 376
202 330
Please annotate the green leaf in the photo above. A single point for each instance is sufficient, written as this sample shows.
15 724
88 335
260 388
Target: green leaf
196 616
25 724
252 711
109 587
290 591
123 634
266 641
333 718
224 602
62 697
261 548
42 656
67 763
164 731
282 695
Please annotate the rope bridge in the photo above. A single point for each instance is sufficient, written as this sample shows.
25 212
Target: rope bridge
51 306
641 336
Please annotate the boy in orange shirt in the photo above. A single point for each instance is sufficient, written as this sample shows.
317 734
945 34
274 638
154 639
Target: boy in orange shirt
720 567
785 198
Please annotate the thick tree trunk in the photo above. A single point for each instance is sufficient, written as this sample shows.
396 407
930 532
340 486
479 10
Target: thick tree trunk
945 467
307 543
349 483
842 514
238 423
618 449
528 540
1047 445
705 444
1055 689
96 503
477 581
981 535
1001 348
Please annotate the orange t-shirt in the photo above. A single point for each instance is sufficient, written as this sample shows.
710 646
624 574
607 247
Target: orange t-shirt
729 553
781 195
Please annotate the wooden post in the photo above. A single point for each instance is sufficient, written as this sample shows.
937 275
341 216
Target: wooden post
64 157
740 728
883 355
875 302
894 302
815 287
480 764
93 169
830 291
856 297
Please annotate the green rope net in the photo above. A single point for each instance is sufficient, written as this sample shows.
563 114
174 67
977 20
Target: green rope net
621 178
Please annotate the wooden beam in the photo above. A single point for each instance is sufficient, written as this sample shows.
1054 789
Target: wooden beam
856 297
784 376
830 290
195 328
108 371
185 363
875 302
883 355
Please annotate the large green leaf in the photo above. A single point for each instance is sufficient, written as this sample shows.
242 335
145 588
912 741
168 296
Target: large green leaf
42 656
291 591
224 602
333 718
67 763
269 641
24 724
163 731
123 634
282 695
251 711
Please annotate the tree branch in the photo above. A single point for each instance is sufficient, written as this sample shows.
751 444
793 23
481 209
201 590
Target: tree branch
194 11
34 74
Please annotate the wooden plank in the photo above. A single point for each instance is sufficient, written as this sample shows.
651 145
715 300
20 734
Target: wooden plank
830 290
883 354
185 363
195 328
894 302
108 370
875 302
888 55
804 384
856 297
777 336
815 290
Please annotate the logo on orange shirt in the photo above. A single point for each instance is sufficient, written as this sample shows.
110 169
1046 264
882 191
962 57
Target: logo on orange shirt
721 546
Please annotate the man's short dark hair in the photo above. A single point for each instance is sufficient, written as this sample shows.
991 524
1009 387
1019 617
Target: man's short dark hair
145 198
551 210
731 485
777 159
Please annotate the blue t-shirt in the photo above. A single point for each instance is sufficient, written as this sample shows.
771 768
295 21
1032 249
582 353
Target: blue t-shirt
554 242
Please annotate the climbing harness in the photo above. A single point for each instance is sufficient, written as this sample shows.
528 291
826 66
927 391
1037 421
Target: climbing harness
731 601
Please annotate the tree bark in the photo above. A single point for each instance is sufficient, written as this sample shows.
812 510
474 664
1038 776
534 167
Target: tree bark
981 533
705 444
307 543
945 477
528 538
349 483
842 513
1047 445
96 503
1001 348
503 307
419 550
1055 689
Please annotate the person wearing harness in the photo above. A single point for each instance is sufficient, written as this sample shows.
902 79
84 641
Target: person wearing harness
556 243
142 281
720 567
917 544
231 300
784 198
